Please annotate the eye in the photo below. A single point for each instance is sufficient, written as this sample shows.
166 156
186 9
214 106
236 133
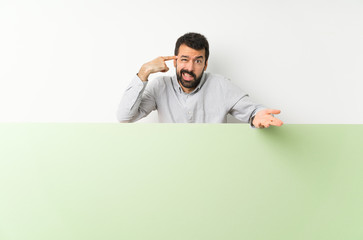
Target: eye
199 61
183 60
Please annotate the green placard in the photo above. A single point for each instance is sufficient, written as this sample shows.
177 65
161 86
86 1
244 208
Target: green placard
179 181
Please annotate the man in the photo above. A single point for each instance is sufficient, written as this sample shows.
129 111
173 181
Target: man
192 95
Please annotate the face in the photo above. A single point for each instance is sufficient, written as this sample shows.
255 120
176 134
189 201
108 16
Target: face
190 66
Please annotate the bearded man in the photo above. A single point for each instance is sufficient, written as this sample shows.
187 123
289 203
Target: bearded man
191 95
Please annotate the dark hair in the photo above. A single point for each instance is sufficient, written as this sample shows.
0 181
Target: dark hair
193 40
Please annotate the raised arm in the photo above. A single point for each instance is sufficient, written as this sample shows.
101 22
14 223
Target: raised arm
154 66
138 100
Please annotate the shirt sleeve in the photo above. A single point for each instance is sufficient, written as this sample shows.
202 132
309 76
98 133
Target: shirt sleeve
244 109
238 102
136 103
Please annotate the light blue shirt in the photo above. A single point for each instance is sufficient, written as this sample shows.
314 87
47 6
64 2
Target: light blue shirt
213 99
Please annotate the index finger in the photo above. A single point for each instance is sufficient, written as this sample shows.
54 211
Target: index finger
169 58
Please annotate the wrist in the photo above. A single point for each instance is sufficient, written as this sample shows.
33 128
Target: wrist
143 73
252 121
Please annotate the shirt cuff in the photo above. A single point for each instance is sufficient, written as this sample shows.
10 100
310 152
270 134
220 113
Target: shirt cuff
137 80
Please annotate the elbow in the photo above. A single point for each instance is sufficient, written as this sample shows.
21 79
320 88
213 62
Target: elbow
121 118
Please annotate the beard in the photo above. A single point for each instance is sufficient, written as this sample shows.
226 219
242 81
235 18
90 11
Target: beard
189 84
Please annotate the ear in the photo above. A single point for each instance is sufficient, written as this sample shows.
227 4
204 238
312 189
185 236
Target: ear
175 63
206 65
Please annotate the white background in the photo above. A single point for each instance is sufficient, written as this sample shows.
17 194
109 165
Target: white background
70 60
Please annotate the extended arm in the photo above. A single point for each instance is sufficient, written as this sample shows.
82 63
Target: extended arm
257 115
264 118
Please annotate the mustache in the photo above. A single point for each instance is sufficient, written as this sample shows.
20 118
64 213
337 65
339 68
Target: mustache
190 73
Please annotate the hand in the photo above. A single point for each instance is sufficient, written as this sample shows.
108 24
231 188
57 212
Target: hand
154 66
264 119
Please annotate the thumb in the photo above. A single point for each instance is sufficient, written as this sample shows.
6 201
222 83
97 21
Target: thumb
165 69
272 111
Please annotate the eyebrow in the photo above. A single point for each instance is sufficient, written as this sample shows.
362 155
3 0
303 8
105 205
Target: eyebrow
184 56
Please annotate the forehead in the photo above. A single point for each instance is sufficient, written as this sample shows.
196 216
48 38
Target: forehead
190 52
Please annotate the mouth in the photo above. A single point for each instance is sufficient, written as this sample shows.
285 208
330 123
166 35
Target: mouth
187 77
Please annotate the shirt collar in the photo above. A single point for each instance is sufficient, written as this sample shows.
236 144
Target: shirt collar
178 89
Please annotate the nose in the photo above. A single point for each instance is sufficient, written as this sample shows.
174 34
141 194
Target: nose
189 66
